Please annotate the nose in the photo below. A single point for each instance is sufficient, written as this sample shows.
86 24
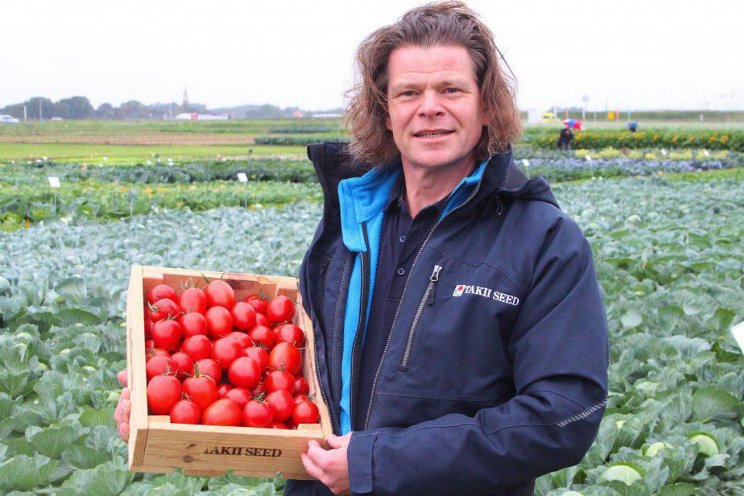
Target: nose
431 106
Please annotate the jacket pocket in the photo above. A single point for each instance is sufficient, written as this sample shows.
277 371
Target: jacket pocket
426 300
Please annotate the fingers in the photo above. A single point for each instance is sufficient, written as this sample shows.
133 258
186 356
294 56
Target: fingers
122 377
124 431
309 461
123 410
126 393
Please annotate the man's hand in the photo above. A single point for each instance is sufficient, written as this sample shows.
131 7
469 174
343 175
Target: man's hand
124 408
329 466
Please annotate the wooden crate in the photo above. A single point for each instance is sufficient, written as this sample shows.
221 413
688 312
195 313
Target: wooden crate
157 445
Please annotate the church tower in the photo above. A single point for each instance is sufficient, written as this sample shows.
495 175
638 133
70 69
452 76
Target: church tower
185 99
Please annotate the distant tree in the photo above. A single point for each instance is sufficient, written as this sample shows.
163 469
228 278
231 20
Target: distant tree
105 111
164 110
134 110
47 107
77 107
16 110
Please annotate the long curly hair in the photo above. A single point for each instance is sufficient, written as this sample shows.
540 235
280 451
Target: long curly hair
450 23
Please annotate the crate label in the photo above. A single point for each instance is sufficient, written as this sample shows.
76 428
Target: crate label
243 451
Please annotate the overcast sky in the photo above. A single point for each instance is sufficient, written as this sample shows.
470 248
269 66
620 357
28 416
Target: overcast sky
637 54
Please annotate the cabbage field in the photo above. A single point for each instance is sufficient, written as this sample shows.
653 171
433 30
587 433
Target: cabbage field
668 241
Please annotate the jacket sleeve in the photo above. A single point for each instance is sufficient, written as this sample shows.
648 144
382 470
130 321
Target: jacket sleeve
559 351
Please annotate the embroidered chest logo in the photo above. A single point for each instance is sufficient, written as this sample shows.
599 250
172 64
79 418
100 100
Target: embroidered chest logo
465 289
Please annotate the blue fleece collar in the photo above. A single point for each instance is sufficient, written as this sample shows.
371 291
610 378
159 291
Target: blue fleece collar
361 199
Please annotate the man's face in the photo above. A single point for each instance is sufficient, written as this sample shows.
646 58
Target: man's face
434 106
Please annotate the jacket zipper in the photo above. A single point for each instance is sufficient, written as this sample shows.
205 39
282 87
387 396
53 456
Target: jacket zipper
428 299
359 336
402 297
323 273
323 394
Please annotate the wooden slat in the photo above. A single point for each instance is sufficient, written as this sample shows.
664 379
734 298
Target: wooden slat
136 378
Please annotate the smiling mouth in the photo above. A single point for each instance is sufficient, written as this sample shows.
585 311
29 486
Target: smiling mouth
433 134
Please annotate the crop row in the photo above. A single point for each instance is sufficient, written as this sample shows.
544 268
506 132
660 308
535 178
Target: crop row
25 205
668 256
255 170
730 139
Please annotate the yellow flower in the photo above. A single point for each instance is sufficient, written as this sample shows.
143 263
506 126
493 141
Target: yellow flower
724 138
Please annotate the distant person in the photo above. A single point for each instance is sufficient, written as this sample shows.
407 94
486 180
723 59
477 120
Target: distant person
632 126
564 141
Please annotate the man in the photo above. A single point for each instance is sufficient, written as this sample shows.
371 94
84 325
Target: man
461 340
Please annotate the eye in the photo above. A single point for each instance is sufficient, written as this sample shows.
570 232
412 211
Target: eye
451 90
407 93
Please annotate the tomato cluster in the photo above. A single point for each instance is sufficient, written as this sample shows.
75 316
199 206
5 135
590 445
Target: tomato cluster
215 361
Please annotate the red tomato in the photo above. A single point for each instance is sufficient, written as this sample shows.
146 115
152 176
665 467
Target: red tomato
149 344
161 291
193 300
197 347
261 320
260 355
244 316
258 303
222 412
166 333
223 389
193 324
301 386
225 351
281 309
276 380
279 425
290 333
241 337
258 414
239 395
163 392
162 309
285 357
299 399
219 293
258 390
282 402
185 364
185 412
148 327
201 389
153 352
244 372
209 367
305 412
160 365
263 336
219 322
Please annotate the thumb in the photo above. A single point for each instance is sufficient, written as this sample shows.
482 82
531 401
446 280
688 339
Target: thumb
336 441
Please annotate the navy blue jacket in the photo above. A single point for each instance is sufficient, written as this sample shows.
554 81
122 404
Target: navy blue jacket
495 371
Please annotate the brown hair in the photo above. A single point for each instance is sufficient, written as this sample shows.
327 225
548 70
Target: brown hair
439 23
